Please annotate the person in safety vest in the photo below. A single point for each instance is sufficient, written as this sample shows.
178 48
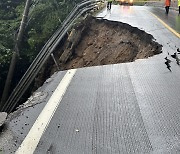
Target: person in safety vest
109 4
167 5
179 6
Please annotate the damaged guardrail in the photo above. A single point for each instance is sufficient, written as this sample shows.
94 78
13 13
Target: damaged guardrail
45 52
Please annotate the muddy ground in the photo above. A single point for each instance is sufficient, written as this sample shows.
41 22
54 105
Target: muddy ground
95 42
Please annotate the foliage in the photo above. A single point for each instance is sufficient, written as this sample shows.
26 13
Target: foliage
44 18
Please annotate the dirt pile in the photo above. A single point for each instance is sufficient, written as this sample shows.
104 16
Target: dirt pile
101 42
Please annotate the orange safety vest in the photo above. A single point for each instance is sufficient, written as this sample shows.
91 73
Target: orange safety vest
167 2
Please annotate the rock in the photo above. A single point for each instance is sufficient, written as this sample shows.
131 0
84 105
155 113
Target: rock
3 116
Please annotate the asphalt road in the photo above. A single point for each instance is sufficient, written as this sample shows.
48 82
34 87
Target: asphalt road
123 108
172 19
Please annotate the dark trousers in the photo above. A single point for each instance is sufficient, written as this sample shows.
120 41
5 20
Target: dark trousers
167 9
109 5
179 9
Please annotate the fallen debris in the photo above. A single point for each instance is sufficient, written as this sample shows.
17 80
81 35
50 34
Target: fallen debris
167 62
175 56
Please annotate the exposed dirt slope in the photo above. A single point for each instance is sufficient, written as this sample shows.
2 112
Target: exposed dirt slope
99 42
108 42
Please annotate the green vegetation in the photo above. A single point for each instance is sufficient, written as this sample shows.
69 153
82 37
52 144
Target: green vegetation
45 17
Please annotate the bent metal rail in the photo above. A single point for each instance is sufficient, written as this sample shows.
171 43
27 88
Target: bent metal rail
45 52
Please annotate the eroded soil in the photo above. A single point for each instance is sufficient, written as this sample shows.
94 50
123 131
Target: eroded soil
95 42
107 42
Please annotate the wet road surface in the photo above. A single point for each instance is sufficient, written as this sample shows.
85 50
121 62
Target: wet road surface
172 19
123 108
136 12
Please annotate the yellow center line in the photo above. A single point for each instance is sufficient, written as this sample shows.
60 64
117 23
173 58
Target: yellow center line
168 27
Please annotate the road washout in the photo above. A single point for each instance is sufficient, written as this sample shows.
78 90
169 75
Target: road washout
94 42
101 42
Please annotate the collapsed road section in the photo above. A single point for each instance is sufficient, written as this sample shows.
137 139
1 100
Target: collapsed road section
124 108
94 42
101 42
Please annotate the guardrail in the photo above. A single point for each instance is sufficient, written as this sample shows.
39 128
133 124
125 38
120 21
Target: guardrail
45 52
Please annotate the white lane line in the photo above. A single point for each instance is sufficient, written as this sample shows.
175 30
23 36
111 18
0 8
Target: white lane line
32 139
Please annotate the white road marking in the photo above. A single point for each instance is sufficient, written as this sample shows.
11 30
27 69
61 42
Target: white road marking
32 139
